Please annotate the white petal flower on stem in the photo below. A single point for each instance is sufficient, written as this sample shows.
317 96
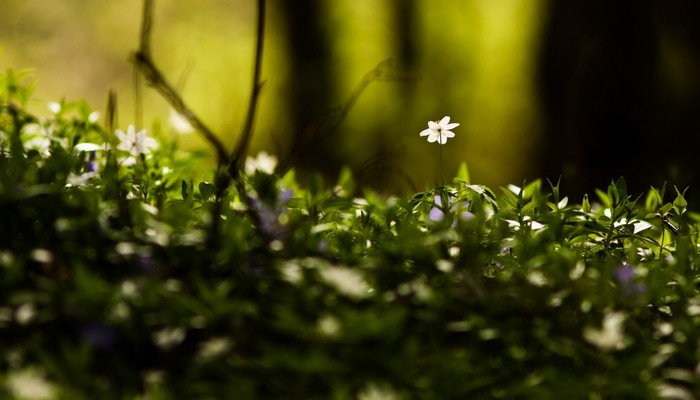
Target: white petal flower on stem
439 131
136 143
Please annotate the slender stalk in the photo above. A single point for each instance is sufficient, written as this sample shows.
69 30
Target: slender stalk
144 62
661 246
442 169
244 140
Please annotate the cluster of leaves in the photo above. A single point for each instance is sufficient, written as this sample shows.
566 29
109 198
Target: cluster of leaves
128 278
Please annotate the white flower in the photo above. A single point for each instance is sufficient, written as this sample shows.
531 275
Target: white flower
54 107
39 137
264 162
134 142
167 338
214 347
179 123
346 280
75 180
93 117
439 131
611 335
29 384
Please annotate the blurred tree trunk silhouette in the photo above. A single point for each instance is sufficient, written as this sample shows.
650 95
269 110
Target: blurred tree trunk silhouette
404 16
383 168
598 82
311 80
608 105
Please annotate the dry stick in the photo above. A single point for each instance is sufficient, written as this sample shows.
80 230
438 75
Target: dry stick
384 71
155 78
111 118
244 140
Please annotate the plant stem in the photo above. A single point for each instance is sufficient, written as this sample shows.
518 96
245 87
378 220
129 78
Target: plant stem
241 148
155 78
442 169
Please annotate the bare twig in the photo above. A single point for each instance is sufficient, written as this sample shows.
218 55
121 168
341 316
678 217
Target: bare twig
330 121
155 78
241 148
111 117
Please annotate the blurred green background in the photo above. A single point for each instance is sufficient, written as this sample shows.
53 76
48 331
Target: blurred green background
585 90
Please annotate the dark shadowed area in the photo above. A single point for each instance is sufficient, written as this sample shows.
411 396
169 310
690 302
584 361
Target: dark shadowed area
583 90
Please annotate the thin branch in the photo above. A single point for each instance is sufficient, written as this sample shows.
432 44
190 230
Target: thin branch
155 78
241 148
330 121
146 28
111 117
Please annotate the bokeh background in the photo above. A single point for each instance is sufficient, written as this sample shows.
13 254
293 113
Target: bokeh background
585 90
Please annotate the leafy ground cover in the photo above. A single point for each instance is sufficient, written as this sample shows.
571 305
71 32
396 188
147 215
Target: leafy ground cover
125 273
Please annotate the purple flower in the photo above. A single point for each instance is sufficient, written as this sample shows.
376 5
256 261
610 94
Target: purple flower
436 214
267 217
91 166
323 245
623 273
635 289
146 263
466 215
286 195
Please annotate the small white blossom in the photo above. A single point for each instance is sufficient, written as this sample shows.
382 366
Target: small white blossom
29 384
38 137
93 117
213 348
25 313
87 147
611 335
179 123
264 162
136 143
167 338
75 180
439 131
54 107
328 326
346 280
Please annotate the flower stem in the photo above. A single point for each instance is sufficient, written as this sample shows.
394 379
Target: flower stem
442 170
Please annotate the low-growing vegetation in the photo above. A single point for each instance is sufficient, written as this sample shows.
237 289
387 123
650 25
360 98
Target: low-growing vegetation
125 274
132 270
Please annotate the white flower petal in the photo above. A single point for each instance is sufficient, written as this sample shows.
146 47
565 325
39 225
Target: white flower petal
54 107
433 125
426 132
450 126
87 147
449 134
444 121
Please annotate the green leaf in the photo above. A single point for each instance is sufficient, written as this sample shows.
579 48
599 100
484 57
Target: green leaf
532 188
206 190
463 172
680 204
187 190
346 180
604 198
652 201
585 205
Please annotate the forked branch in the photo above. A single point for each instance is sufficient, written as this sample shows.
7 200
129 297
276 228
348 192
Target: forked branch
154 77
244 140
